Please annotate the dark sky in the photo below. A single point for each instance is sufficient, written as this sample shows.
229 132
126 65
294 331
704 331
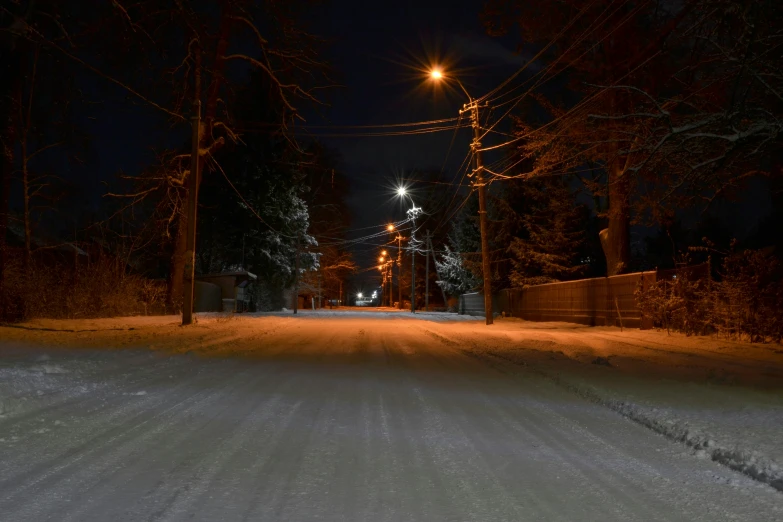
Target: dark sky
379 51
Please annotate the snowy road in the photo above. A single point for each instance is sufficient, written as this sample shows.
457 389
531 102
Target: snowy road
356 418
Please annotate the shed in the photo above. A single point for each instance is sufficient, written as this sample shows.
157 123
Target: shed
234 295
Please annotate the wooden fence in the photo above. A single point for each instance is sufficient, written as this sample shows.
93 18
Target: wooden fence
601 301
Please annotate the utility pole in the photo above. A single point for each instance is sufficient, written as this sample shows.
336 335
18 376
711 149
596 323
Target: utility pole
399 270
427 275
412 213
413 276
190 240
480 183
296 277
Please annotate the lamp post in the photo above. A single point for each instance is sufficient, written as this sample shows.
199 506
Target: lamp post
412 215
473 107
399 239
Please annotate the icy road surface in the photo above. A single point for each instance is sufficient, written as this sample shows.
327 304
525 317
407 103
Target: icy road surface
366 418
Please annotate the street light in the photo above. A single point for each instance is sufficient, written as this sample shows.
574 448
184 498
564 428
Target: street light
473 107
390 228
412 215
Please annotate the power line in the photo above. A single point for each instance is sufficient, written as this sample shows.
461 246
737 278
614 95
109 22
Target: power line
378 126
551 66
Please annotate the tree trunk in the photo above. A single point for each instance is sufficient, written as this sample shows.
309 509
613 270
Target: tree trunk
177 273
26 198
10 91
218 66
5 195
616 238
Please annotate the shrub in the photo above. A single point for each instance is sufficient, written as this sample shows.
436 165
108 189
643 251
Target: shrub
744 303
52 287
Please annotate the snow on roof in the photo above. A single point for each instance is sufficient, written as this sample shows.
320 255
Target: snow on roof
230 273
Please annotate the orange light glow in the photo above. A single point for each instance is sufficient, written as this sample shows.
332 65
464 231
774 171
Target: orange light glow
436 74
390 228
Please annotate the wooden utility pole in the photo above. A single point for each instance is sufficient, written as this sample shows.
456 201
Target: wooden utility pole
399 270
413 274
480 183
427 274
296 277
190 245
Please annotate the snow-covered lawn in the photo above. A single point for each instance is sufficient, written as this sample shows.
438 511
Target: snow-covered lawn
511 391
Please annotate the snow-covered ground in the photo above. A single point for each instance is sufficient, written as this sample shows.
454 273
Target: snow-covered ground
375 415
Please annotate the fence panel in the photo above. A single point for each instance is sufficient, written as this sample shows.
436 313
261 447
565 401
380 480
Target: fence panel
594 302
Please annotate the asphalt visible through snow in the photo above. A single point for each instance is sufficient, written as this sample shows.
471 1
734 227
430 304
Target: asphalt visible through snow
366 418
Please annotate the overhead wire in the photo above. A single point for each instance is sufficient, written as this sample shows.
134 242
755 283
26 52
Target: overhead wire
552 65
538 55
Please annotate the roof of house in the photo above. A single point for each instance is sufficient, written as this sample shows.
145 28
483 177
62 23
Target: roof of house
17 231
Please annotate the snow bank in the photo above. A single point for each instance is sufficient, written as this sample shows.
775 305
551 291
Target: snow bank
738 452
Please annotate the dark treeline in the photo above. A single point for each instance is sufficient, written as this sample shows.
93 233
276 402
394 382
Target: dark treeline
74 74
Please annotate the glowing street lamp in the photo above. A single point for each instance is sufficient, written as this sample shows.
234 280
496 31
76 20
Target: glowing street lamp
390 228
359 295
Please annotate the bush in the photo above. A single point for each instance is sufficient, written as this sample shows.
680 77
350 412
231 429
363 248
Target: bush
678 304
749 297
54 288
744 304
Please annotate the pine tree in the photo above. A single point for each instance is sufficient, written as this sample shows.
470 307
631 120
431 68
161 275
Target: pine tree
552 236
456 278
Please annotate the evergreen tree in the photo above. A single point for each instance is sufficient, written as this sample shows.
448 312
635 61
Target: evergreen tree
551 242
460 265
455 279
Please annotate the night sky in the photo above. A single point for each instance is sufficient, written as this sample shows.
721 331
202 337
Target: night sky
380 56
379 53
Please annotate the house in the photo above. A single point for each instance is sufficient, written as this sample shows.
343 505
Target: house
228 291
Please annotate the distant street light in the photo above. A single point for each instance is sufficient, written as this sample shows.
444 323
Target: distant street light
412 215
359 295
390 228
473 107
